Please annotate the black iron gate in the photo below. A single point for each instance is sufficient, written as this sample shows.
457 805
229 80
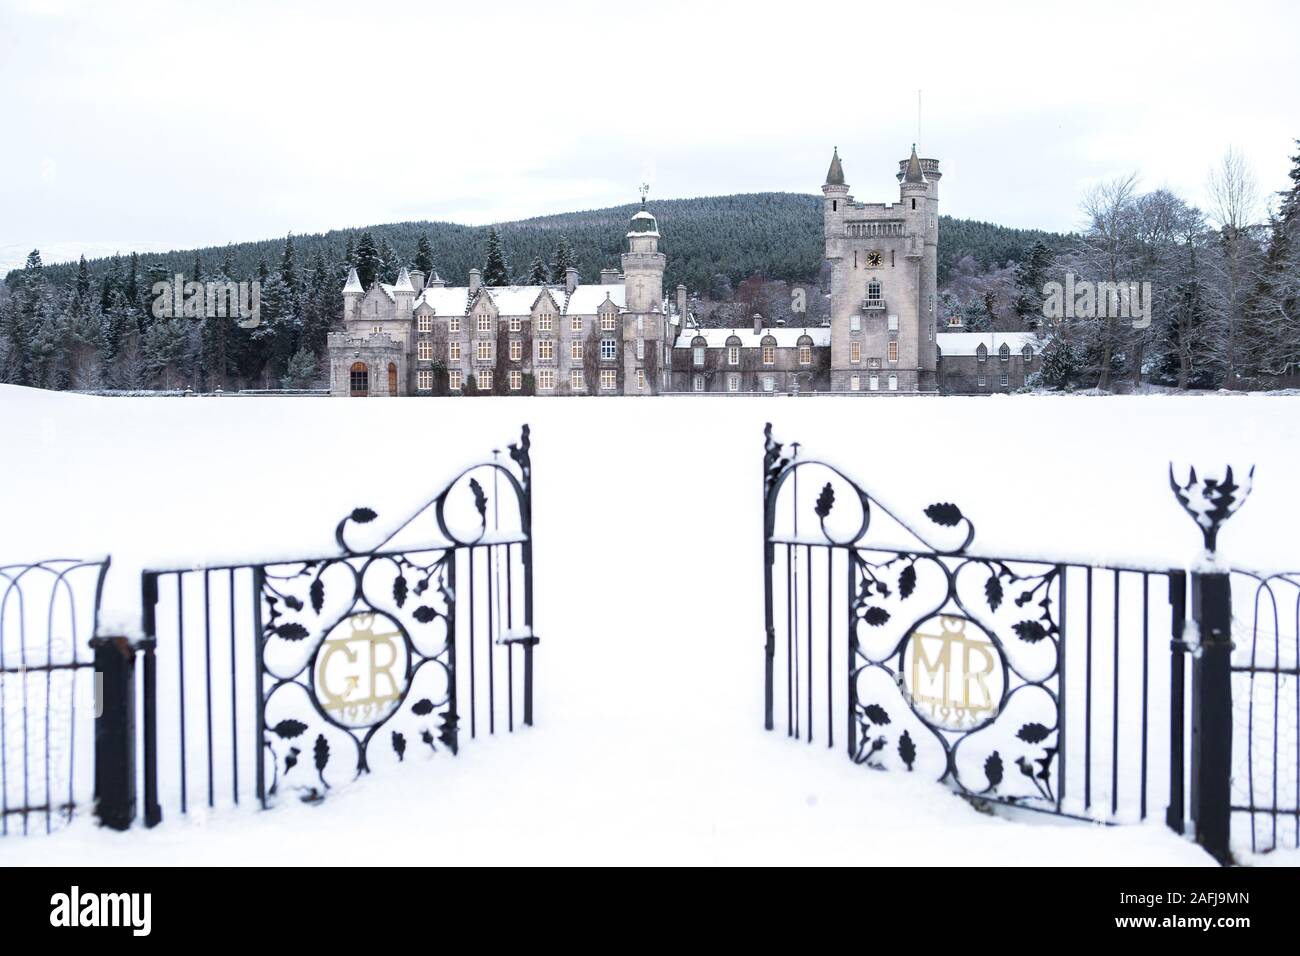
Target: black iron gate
299 675
1095 691
48 693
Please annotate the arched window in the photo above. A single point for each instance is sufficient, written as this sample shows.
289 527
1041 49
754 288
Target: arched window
697 351
359 380
769 350
981 353
805 350
733 350
392 378
1004 353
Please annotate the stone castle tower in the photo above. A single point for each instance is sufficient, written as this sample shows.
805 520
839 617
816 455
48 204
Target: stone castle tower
883 281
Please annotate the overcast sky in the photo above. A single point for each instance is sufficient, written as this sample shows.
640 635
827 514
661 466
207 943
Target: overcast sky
153 125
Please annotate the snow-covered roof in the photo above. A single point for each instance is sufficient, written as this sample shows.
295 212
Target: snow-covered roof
353 284
403 283
786 336
966 343
519 299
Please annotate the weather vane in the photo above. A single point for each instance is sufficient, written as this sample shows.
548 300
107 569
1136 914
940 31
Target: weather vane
644 189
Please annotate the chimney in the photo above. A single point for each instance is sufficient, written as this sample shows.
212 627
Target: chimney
610 277
436 281
570 279
758 324
475 280
681 300
417 281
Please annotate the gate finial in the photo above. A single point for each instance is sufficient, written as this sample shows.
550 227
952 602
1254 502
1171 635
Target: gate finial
1211 501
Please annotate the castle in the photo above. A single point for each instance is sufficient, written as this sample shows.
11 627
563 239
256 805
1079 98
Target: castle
622 336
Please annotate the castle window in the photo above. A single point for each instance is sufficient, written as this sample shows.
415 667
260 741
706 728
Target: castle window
1006 379
1004 353
483 350
855 352
979 379
855 323
893 323
485 323
769 350
697 351
545 322
835 205
516 350
893 351
913 203
485 380
424 350
516 323
453 324
453 351
1028 353
608 349
640 350
575 324
699 383
733 355
855 383
576 381
873 291
546 379
769 383
873 382
930 302
607 322
954 321
545 350
425 323
608 379
640 380
424 380
805 351
893 383
575 350
376 329
454 381
359 380
733 382
516 380
981 353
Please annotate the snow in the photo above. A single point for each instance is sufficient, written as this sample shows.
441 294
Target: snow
785 336
967 343
649 745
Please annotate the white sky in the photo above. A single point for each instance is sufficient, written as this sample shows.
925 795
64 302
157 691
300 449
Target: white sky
157 125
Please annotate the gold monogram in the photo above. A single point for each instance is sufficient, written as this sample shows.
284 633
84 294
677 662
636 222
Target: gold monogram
949 673
354 671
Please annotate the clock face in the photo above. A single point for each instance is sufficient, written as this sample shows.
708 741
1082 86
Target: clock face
873 258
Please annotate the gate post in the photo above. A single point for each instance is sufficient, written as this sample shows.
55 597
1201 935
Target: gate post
1212 713
1210 502
115 732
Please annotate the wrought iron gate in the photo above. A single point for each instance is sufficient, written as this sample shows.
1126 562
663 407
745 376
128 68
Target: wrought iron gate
1016 680
48 616
300 675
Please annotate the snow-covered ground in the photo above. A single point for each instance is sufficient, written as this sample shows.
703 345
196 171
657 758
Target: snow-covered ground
648 745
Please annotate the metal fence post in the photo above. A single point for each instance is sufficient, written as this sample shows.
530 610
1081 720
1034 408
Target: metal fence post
149 603
1211 798
1210 502
1175 816
115 732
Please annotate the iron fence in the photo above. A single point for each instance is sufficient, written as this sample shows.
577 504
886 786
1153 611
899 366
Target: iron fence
1099 691
48 615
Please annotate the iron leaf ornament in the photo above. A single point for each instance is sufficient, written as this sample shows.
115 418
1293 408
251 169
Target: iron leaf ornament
1211 501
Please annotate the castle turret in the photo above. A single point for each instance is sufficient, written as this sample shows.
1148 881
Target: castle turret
836 191
352 293
643 264
403 295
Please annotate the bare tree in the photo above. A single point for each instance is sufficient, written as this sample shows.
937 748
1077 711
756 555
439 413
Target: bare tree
1234 211
1108 249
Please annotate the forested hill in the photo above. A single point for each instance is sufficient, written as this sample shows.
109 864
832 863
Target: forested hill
777 235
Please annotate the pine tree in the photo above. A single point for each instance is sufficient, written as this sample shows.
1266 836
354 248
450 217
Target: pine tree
289 266
538 276
1030 275
495 271
1061 363
366 260
301 370
562 260
389 261
424 255
133 280
83 280
196 270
